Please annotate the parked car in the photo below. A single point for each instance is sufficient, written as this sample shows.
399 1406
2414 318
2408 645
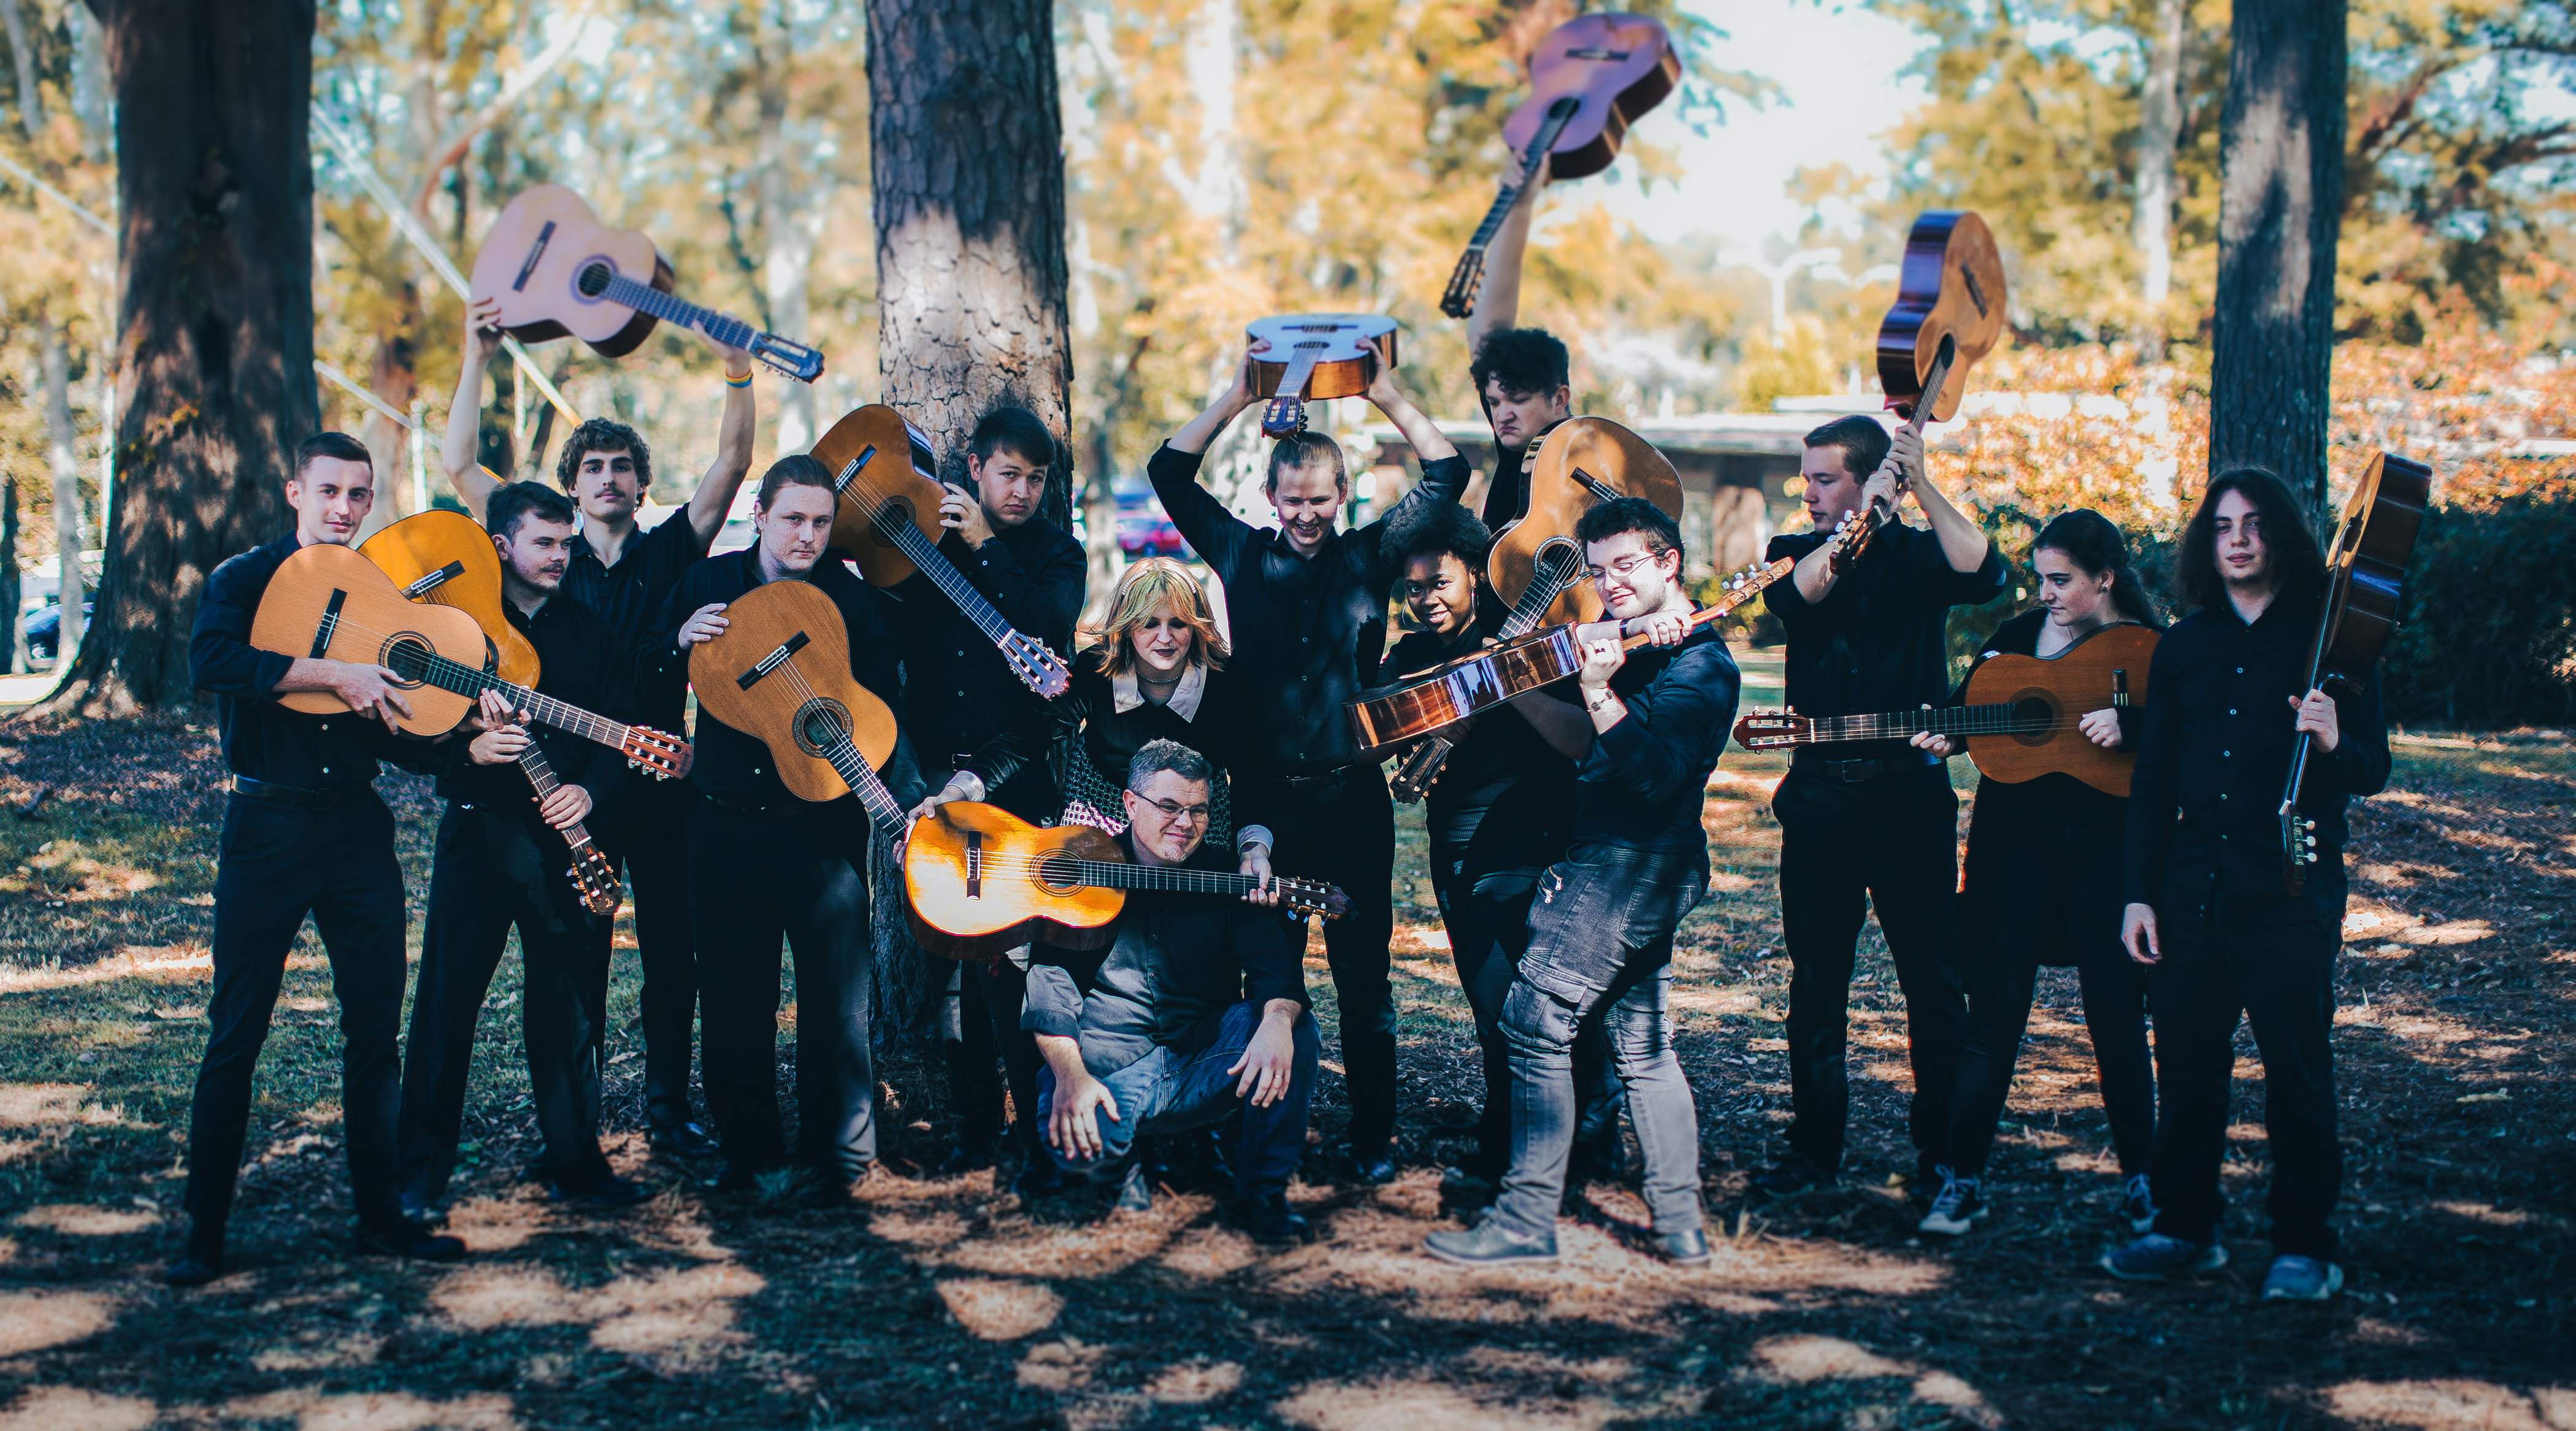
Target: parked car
45 630
1143 530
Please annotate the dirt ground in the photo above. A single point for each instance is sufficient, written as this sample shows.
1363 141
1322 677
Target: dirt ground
942 1302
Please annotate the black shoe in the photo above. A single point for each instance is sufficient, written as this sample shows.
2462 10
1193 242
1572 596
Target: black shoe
973 1153
1487 1244
422 1213
680 1138
404 1240
1135 1191
1269 1219
1792 1175
600 1191
1373 1162
1687 1248
1039 1178
201 1261
731 1177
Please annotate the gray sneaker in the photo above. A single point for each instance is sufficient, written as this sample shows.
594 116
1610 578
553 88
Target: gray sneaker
2158 1258
2138 1205
2301 1279
1954 1208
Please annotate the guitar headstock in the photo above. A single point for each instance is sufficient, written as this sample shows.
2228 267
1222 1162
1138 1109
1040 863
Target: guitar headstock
664 757
1038 666
1773 730
2298 846
1747 584
1284 416
794 359
592 875
1419 770
1307 896
1850 539
1464 282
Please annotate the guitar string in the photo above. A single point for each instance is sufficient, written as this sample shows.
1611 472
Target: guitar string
549 710
926 556
871 791
1101 874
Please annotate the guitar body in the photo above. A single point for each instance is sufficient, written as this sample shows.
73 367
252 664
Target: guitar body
1614 68
1950 285
974 877
533 259
895 473
329 601
454 544
2367 569
804 700
1458 688
2091 675
1580 463
1314 357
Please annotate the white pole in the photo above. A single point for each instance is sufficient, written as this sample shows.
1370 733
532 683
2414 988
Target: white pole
419 460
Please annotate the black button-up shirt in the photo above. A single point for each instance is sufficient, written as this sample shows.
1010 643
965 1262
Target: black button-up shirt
1308 631
262 739
959 690
735 766
2214 761
1504 792
629 598
1877 642
1644 780
578 665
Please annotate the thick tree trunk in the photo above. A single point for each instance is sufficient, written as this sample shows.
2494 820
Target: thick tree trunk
2159 128
12 582
2280 205
215 350
62 437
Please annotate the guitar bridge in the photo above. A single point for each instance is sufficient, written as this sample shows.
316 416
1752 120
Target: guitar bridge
974 864
536 251
329 625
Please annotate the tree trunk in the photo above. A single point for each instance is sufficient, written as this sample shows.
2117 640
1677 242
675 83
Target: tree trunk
61 437
2159 128
12 584
2281 141
966 148
215 351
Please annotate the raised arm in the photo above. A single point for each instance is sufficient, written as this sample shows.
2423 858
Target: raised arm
1498 302
1963 542
723 477
457 451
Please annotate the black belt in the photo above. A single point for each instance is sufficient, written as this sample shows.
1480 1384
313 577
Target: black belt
304 796
1854 772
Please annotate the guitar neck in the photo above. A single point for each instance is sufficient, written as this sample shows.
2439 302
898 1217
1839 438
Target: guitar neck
944 574
541 774
722 327
2003 719
1116 874
883 810
1548 581
1632 632
1469 275
465 680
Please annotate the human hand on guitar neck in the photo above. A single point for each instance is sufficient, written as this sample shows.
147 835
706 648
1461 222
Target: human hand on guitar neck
503 740
1833 493
2101 727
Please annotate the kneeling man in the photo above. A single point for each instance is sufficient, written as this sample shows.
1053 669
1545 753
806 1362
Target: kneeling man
1196 1009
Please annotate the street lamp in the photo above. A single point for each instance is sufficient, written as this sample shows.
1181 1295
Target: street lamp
1780 273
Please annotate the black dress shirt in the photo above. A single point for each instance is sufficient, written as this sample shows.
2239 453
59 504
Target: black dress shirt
959 691
1644 781
2214 760
1877 642
629 597
1502 779
262 739
734 767
1175 964
1308 631
578 665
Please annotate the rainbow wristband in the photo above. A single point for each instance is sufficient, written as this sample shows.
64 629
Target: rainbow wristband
741 382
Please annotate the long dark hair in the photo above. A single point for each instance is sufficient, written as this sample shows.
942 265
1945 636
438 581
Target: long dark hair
2298 566
2094 543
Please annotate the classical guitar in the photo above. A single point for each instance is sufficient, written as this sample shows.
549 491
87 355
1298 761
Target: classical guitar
888 521
1312 357
1589 80
558 271
2366 582
2021 715
328 602
1481 680
448 558
591 874
981 880
781 673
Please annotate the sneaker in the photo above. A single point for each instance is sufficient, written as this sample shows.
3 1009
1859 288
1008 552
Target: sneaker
1954 1208
1135 1191
1268 1219
1373 1162
2158 1258
401 1239
1489 1244
2301 1279
1792 1175
2138 1205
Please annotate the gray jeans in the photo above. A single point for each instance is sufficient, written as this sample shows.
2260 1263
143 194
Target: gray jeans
1601 935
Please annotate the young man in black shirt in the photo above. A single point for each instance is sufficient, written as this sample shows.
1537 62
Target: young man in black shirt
1307 606
1875 823
1522 376
1601 933
959 688
625 575
764 865
2208 910
1194 1014
304 833
501 863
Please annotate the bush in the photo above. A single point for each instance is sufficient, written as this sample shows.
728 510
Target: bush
2489 625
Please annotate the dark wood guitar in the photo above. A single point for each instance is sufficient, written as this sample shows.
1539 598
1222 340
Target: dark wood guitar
888 521
2366 584
448 558
558 271
328 602
1949 300
592 876
2021 717
1312 357
1589 80
980 881
781 673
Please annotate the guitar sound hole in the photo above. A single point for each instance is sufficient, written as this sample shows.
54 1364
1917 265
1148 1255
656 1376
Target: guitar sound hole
820 725
407 656
2035 720
893 515
1057 875
593 280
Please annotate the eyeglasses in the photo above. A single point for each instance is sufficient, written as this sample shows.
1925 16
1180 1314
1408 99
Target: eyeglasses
1195 814
1623 568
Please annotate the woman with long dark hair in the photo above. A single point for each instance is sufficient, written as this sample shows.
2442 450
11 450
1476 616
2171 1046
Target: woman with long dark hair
2043 888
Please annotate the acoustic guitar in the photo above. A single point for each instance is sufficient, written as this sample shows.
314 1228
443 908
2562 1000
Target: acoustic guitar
329 602
448 558
980 881
2021 714
558 271
2366 583
781 674
1313 357
888 521
592 876
1589 80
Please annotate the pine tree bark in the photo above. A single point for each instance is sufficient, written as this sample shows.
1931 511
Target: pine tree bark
215 348
2281 143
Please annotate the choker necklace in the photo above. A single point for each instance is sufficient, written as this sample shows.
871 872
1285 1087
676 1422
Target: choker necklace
1145 680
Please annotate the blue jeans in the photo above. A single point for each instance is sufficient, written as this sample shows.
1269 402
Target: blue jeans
1168 1091
1601 936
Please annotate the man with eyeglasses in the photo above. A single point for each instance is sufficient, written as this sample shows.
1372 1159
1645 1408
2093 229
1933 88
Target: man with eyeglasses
1601 932
1194 1013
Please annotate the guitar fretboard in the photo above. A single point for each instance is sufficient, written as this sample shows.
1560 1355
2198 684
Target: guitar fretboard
645 298
421 663
883 810
2001 719
541 774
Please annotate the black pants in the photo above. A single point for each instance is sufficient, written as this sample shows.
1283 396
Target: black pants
651 844
1891 844
989 996
2274 964
1342 829
796 874
275 864
479 889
